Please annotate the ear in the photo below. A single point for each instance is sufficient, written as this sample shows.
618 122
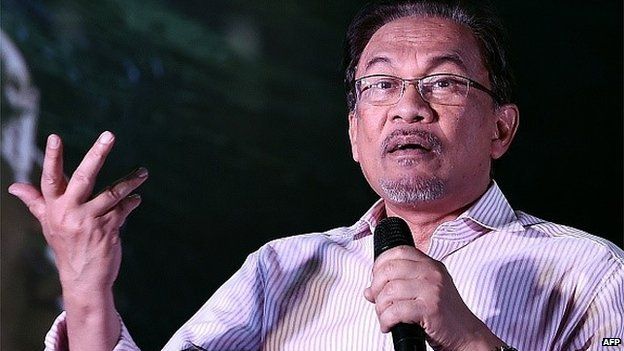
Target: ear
507 121
353 123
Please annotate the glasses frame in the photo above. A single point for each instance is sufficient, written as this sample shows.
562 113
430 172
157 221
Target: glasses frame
416 83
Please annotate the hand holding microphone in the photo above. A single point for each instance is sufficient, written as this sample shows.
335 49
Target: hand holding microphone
390 233
414 296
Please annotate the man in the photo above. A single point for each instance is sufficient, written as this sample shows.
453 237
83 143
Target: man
429 97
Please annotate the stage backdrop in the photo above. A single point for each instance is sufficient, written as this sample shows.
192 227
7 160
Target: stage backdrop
237 109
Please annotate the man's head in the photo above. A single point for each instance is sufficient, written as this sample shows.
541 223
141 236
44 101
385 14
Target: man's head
482 22
428 141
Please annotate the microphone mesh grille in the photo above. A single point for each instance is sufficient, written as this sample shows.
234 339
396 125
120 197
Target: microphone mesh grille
391 232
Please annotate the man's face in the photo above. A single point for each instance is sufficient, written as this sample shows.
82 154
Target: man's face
415 153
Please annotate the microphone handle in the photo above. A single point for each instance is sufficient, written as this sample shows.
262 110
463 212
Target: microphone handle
408 337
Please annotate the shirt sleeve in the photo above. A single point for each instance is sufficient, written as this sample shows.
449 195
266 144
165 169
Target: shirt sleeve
232 318
604 319
56 338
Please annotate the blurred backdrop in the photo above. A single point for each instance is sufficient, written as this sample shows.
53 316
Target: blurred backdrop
237 109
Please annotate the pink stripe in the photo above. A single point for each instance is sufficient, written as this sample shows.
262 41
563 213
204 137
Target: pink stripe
536 284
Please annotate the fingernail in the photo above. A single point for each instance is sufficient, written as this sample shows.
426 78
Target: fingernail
135 196
141 172
53 141
106 137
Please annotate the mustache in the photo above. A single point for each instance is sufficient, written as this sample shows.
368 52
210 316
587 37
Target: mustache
427 139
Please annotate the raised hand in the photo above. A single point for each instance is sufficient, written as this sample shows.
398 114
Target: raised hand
83 232
411 287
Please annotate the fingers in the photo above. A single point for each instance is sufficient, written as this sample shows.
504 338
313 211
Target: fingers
82 181
119 191
401 262
117 216
399 290
403 252
30 196
53 181
406 286
405 311
54 185
129 204
391 270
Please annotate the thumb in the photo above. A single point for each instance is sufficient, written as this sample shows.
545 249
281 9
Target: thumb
30 196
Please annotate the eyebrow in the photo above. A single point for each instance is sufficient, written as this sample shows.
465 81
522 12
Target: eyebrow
376 60
451 57
448 58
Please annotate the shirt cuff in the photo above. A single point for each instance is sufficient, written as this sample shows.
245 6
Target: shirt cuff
56 338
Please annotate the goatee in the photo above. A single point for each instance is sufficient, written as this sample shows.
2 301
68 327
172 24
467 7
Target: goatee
413 190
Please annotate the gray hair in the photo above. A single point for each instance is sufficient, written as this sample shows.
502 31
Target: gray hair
480 19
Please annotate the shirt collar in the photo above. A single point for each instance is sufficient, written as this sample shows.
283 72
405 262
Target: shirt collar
491 211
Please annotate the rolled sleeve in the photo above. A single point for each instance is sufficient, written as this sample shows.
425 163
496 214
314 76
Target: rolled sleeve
56 338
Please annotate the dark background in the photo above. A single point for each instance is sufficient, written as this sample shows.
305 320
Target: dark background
237 110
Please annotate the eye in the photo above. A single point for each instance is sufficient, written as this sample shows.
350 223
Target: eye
384 83
379 84
444 83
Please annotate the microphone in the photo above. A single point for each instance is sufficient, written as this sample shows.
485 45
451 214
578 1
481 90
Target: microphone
389 233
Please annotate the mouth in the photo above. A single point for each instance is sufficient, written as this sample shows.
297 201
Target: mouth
406 147
410 143
411 146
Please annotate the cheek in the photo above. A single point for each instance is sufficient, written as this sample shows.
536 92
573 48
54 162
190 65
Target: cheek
369 129
467 138
366 146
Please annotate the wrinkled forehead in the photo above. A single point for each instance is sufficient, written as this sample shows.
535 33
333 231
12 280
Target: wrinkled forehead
420 43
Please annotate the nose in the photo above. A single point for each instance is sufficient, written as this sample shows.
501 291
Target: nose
412 107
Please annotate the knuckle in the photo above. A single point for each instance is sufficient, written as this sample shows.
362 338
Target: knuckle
113 220
389 268
103 220
114 193
391 288
403 250
419 303
383 267
108 219
437 273
393 314
81 177
382 303
379 308
48 178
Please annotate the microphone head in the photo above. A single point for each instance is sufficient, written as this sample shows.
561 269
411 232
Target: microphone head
391 232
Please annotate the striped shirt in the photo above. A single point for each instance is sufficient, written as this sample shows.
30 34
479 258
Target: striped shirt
537 285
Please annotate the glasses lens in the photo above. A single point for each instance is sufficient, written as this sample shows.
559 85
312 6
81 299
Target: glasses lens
445 89
379 90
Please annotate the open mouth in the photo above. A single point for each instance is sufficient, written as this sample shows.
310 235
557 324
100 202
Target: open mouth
407 146
408 143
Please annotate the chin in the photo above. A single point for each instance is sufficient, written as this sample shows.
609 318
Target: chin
412 190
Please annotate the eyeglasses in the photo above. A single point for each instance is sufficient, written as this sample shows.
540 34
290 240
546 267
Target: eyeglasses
442 89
